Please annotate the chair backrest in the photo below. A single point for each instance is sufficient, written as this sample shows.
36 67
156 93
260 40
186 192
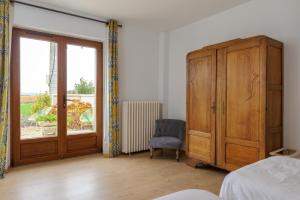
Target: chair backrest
170 127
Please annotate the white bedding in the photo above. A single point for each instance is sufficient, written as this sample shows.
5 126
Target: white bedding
275 178
192 194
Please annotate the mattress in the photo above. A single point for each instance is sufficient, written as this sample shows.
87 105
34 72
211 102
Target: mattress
275 178
191 194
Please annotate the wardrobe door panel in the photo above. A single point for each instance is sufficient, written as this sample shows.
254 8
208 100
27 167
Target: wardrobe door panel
239 155
200 99
243 99
201 106
243 106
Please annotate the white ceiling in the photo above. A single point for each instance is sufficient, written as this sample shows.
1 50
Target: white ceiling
160 15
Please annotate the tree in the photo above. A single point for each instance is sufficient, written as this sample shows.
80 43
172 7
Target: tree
84 87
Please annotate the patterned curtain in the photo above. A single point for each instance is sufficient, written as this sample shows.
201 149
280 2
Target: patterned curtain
112 138
4 75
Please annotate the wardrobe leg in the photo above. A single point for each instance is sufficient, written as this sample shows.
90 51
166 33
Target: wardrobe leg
177 155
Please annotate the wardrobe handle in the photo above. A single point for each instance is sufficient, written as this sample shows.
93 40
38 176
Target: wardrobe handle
213 107
223 108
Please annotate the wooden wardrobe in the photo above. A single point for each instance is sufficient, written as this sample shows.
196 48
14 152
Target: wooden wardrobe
235 102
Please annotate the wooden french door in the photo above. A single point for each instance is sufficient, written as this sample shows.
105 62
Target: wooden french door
56 96
201 105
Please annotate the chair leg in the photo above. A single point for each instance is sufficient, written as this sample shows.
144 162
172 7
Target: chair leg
151 152
177 155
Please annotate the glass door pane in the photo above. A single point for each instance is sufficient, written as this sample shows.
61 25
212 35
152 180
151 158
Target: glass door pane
38 88
81 89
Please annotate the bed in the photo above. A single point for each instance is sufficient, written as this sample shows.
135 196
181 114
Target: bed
191 194
275 178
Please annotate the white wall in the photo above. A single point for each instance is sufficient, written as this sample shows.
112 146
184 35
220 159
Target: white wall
279 19
138 64
138 56
163 65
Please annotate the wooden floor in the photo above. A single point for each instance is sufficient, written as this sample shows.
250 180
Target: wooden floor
93 177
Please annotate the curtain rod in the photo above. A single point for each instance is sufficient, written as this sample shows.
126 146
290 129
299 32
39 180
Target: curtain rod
61 12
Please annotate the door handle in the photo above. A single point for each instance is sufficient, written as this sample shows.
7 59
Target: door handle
65 101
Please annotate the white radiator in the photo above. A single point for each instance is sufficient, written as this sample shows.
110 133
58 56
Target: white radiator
138 124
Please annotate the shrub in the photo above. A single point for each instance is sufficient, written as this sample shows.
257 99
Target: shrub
43 101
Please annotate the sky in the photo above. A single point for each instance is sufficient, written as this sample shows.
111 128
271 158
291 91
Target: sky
35 65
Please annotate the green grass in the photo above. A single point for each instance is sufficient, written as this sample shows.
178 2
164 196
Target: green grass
26 109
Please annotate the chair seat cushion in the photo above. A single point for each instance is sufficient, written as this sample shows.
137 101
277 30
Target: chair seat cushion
165 142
